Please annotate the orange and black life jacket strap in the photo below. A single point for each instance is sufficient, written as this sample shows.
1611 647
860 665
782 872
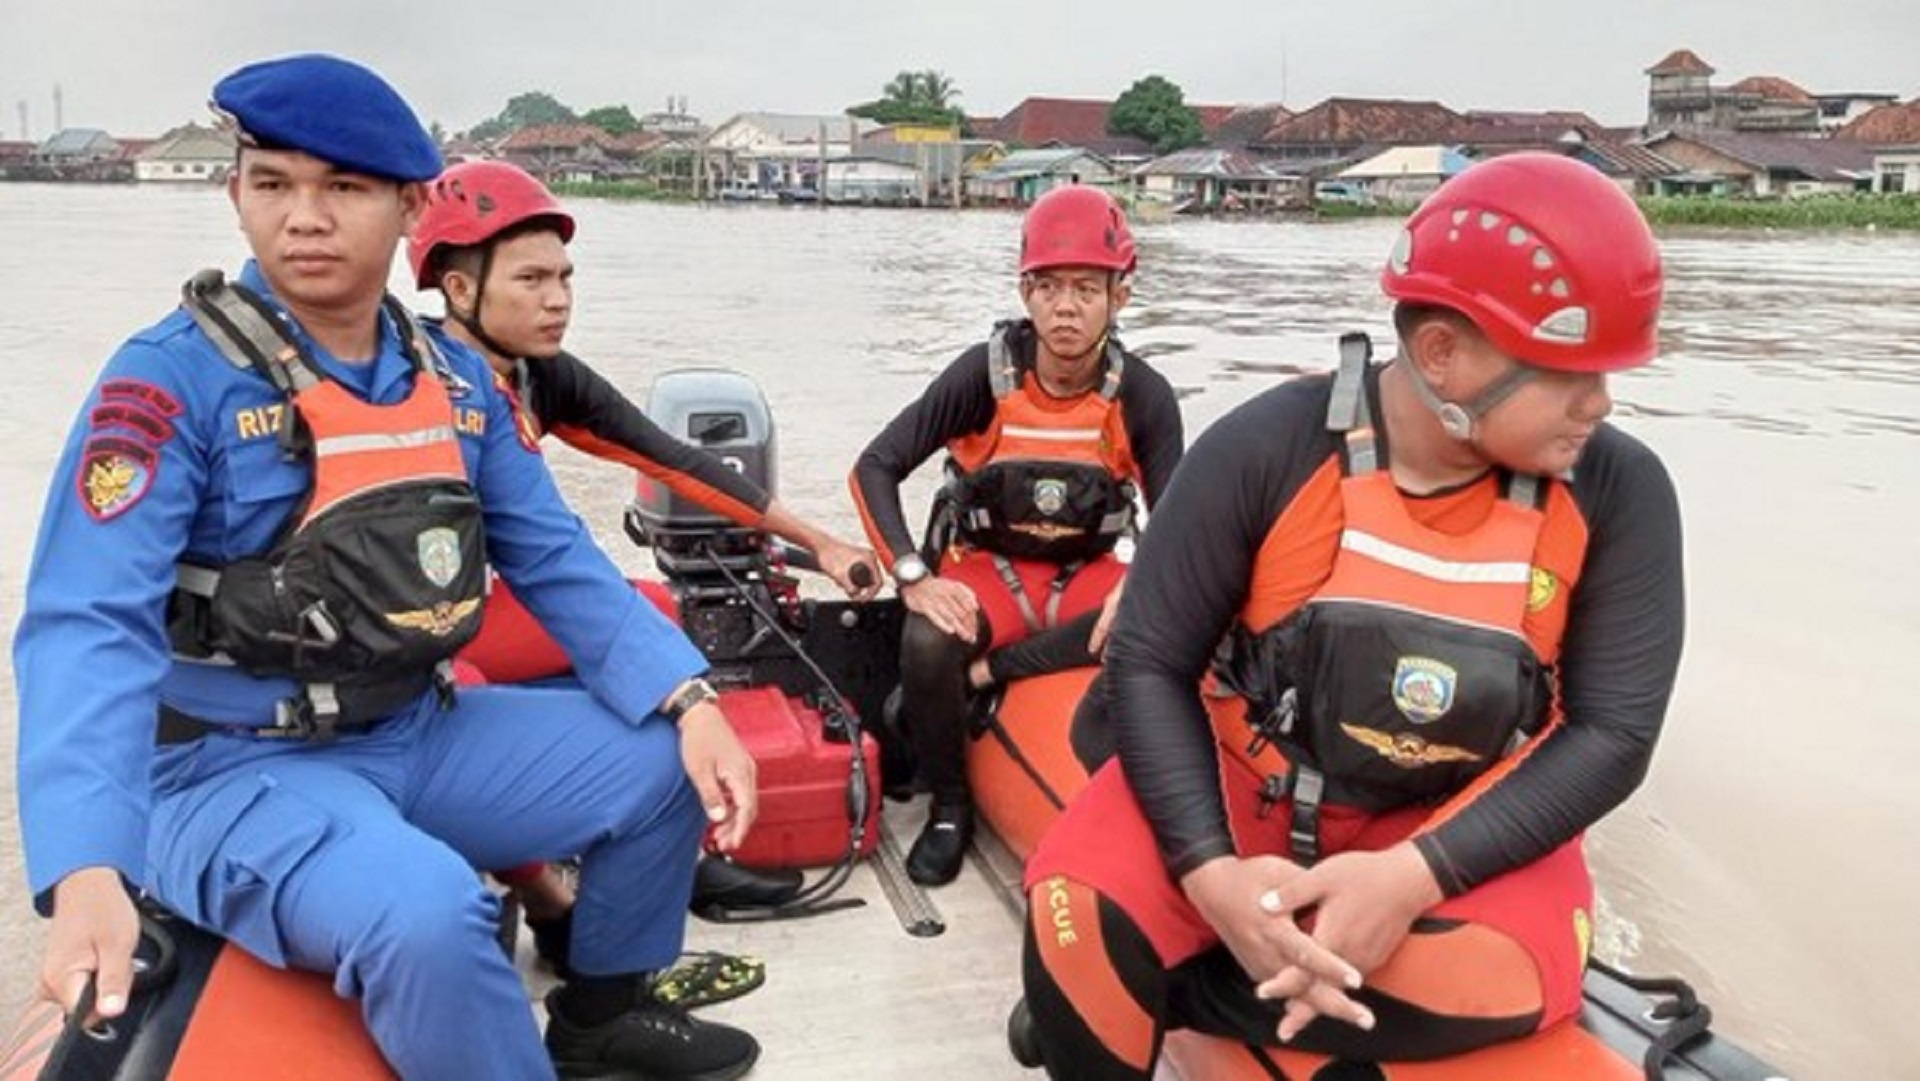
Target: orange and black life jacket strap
1056 590
1003 369
1349 414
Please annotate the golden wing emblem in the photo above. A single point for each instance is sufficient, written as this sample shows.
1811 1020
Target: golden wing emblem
1406 750
108 482
439 621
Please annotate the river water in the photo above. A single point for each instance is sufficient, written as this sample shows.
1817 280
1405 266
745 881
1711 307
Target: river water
1762 858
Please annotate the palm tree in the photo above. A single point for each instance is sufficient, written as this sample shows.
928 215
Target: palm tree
937 89
905 88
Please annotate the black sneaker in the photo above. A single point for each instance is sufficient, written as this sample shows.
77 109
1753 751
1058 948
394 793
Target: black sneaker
942 845
650 1042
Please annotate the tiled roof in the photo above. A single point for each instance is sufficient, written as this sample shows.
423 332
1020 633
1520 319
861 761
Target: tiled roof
555 137
1247 124
1346 121
637 142
1212 116
1484 134
1886 125
1564 118
1771 88
1681 62
1039 121
1080 122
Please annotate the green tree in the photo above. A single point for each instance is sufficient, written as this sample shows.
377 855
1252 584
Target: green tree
915 97
531 109
612 119
1155 110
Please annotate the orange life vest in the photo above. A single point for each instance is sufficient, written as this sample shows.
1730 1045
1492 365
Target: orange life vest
377 579
1410 671
1050 479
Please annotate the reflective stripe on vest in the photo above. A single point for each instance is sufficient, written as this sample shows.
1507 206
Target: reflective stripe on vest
1029 426
389 444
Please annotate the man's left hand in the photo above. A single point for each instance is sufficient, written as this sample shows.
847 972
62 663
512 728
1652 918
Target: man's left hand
722 772
1362 904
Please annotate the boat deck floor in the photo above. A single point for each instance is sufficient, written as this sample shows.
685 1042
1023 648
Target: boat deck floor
851 994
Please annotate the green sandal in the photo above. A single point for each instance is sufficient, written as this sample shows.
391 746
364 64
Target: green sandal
702 978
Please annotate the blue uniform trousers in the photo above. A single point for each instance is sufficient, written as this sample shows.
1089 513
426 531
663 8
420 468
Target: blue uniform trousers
356 858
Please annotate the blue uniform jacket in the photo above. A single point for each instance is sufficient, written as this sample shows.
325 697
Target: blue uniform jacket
174 455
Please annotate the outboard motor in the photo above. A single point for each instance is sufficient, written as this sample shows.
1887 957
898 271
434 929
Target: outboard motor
722 412
707 558
789 668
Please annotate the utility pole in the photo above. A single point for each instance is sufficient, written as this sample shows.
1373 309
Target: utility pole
59 111
820 169
26 133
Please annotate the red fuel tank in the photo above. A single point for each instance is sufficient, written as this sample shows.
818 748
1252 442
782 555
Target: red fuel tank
803 780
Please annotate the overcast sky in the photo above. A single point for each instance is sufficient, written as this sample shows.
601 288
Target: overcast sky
137 67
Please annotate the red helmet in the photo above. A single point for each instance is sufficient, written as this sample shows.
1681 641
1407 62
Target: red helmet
1076 226
473 202
1549 258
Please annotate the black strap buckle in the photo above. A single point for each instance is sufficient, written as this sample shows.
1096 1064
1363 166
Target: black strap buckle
1275 724
1308 787
312 714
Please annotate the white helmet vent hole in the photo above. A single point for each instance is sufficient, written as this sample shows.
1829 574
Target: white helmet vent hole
1568 326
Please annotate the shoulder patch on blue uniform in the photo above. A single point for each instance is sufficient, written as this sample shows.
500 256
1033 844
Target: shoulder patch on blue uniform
114 474
142 394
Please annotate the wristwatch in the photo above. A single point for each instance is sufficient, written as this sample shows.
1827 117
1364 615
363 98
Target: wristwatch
910 568
694 692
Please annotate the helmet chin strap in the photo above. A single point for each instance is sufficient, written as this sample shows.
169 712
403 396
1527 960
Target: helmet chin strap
1462 421
471 321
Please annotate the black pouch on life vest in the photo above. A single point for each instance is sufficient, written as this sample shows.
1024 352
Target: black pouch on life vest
1047 511
1396 710
385 582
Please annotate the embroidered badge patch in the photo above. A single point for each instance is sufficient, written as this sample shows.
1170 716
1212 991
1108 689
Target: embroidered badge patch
1405 749
152 427
1049 496
114 474
143 394
440 620
1423 688
1542 587
439 551
125 431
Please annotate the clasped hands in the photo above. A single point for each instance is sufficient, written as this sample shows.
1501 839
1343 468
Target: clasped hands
1310 936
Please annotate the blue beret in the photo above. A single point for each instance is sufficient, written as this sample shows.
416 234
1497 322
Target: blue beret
331 108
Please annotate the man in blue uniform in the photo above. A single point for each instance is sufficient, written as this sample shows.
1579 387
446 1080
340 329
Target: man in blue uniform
267 531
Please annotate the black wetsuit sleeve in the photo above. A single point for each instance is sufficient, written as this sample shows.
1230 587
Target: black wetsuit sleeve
582 408
1151 411
1055 649
1187 584
1619 660
959 402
